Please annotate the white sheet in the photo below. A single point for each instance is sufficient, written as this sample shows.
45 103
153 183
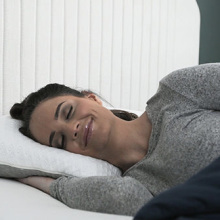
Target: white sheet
19 201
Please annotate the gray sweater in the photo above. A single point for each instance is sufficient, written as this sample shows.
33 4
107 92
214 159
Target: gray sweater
185 137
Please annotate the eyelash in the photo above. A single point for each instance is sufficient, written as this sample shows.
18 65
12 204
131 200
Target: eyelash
62 142
68 115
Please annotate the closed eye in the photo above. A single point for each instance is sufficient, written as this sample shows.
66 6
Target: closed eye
62 142
69 113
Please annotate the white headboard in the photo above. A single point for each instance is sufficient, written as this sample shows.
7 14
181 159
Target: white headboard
117 48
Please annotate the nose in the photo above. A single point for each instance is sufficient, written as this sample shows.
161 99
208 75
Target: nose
71 130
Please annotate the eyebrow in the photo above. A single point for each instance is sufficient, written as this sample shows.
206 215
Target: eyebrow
55 117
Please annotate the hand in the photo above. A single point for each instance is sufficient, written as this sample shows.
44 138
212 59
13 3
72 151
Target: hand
42 183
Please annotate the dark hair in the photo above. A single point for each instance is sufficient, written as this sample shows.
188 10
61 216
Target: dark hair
23 111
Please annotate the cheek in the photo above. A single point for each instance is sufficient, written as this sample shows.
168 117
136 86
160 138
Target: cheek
40 131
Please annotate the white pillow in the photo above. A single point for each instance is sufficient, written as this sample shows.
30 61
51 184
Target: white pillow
21 157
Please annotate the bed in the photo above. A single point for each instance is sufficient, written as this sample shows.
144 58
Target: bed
118 49
22 202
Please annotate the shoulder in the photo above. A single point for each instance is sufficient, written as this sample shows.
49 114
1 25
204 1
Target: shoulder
192 78
199 73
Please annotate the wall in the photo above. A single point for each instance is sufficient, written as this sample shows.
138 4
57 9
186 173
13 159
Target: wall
210 31
119 49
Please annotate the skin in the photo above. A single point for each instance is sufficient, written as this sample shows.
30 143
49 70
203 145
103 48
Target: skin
121 143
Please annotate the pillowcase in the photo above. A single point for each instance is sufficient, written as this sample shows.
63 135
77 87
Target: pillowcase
21 157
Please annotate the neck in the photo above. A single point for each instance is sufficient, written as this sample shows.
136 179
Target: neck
130 142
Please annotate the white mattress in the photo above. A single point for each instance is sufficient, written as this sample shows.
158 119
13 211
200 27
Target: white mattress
19 201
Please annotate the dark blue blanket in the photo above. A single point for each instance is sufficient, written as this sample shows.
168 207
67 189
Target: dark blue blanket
196 199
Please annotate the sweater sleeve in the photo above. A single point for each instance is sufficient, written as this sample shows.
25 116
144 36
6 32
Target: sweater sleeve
200 84
115 195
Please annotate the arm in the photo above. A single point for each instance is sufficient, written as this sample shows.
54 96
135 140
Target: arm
201 84
41 183
116 195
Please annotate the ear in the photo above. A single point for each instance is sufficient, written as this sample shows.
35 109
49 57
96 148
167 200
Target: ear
94 98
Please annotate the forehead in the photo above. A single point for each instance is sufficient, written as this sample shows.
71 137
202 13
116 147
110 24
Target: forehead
57 100
50 105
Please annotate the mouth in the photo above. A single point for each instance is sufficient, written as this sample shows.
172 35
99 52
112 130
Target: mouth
88 132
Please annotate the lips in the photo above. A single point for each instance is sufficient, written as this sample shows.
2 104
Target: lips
88 132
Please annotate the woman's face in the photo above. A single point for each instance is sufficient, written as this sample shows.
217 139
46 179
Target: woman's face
78 125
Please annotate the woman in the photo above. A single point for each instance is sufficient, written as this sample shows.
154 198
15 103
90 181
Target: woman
177 135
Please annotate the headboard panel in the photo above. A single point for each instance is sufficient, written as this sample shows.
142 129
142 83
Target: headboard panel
117 48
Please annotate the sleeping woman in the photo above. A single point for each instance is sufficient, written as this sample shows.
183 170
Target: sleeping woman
176 136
